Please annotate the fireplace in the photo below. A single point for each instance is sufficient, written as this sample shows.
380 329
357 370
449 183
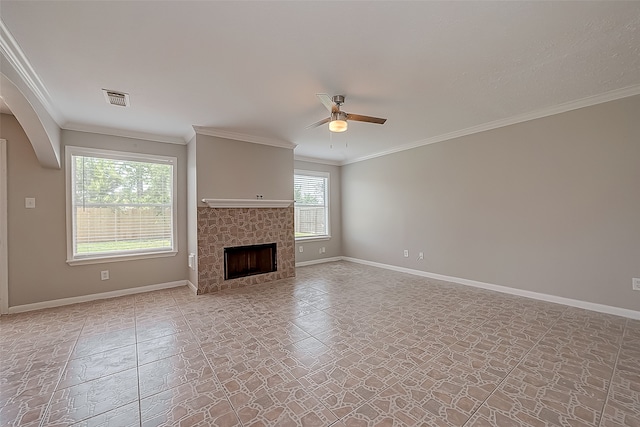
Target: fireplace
230 227
242 261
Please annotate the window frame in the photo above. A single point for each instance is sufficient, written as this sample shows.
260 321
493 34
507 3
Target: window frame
72 259
327 204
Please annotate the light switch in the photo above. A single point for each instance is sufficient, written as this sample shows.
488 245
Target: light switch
30 202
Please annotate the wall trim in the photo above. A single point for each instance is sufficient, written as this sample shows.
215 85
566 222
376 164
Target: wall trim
318 261
10 49
41 129
193 287
274 142
538 114
94 297
617 311
247 203
315 160
4 236
147 136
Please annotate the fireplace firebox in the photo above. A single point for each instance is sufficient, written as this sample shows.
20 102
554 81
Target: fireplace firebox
241 261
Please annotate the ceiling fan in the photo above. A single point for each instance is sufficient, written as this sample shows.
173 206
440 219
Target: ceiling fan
338 119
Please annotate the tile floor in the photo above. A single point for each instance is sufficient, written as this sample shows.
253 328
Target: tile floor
341 344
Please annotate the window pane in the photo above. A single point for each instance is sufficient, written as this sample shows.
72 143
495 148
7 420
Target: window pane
121 206
309 190
311 205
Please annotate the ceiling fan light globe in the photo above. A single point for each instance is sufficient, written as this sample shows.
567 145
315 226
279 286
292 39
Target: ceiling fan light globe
338 125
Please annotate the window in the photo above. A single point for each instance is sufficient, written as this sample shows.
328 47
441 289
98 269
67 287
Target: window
119 205
311 193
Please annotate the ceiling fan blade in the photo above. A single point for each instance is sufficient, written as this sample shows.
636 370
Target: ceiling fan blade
320 123
327 102
368 119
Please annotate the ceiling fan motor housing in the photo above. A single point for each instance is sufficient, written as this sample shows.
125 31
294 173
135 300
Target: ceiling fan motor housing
339 115
338 99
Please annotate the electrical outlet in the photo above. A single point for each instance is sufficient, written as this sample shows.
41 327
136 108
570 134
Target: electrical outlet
421 255
635 284
406 253
301 249
30 202
104 275
323 249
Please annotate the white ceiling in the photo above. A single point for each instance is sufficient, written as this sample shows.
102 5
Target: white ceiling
430 68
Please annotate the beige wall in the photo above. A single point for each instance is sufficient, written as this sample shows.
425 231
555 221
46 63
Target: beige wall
229 169
333 246
551 206
37 237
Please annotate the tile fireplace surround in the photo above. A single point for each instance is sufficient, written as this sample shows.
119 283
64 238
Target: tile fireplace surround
228 227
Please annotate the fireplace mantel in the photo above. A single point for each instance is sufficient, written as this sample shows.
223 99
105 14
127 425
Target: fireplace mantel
247 203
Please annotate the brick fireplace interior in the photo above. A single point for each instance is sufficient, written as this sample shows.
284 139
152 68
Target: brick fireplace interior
241 261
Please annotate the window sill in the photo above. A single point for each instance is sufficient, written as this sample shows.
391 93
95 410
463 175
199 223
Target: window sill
312 239
119 258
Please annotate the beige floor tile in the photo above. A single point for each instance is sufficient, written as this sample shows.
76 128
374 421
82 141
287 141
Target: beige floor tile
148 330
98 365
89 399
166 346
124 416
340 344
109 322
248 380
24 408
288 405
89 344
227 352
164 374
190 404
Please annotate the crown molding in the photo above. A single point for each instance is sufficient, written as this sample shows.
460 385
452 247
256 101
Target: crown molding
10 49
274 142
101 130
189 136
315 160
538 114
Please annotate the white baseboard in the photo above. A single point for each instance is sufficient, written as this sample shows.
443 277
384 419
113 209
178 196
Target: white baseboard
193 287
318 261
94 297
489 286
507 290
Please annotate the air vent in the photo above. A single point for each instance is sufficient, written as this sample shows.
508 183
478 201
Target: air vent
120 99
